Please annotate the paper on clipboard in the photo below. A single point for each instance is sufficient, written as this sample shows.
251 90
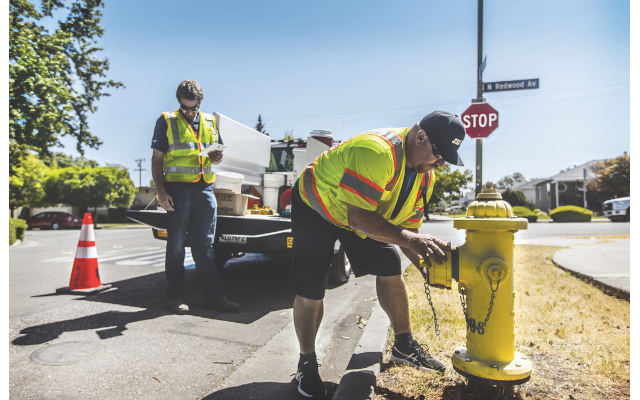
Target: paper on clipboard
213 147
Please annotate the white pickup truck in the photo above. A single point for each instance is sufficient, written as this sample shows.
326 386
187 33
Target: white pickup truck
617 209
270 168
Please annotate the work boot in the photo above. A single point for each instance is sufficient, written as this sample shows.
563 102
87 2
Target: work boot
417 355
222 304
177 305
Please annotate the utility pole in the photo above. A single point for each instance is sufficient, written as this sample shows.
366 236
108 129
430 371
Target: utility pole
140 169
584 187
479 99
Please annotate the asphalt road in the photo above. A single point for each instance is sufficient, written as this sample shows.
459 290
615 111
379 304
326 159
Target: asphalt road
444 230
124 344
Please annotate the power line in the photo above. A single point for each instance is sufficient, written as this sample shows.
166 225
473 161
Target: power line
404 108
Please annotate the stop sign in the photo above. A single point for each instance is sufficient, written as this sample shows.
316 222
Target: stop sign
480 120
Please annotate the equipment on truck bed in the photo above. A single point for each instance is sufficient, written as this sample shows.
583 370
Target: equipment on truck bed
268 169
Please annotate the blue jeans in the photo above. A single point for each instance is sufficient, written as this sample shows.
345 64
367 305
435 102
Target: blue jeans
195 212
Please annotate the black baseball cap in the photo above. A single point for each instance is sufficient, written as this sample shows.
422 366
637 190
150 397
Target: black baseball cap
446 132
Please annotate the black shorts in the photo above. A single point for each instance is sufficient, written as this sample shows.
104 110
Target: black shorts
313 245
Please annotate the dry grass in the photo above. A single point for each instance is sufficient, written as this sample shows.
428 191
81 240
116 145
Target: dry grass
577 338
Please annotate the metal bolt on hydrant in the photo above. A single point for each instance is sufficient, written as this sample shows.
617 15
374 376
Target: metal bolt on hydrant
483 268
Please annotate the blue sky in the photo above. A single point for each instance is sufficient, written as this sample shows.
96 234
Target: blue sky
350 66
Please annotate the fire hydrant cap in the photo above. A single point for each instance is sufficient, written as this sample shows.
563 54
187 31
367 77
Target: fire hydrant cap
490 212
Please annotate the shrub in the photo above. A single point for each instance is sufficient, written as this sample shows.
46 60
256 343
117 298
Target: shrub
516 198
16 229
524 212
570 214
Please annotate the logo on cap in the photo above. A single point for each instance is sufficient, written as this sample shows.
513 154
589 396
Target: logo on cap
457 141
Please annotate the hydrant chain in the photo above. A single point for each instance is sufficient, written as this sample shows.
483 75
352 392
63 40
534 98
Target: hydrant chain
471 322
436 326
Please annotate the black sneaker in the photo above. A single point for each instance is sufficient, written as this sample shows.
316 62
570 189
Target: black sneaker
417 356
222 304
177 305
310 385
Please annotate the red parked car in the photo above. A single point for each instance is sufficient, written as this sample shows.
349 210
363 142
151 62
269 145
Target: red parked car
54 220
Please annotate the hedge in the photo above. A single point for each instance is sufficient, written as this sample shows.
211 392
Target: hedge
524 212
571 214
16 230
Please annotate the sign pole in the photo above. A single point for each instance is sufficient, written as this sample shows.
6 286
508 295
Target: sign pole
479 99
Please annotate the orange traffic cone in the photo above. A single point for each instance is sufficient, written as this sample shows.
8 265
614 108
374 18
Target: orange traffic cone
85 277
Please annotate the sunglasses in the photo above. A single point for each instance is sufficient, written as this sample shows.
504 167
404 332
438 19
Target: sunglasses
436 153
185 108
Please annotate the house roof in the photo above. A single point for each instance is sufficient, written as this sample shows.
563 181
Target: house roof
528 185
576 173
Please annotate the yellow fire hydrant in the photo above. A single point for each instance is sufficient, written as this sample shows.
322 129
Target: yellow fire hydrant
483 268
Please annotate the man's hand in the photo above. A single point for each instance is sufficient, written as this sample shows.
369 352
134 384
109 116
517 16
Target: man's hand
165 201
215 156
429 247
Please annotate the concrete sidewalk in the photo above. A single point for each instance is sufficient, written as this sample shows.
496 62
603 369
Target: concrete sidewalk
604 263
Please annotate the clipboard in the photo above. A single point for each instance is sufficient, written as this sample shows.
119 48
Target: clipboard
213 147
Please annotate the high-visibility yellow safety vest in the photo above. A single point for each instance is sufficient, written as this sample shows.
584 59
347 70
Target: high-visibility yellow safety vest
182 162
366 171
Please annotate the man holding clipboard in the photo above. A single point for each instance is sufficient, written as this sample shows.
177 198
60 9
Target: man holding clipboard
184 179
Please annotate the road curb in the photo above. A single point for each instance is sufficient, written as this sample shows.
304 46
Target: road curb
608 289
359 379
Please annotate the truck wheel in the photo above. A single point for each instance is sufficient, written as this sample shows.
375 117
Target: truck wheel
340 269
220 257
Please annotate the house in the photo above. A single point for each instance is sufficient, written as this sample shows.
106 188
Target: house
564 188
537 195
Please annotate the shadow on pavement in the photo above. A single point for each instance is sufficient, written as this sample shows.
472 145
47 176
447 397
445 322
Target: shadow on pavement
113 322
260 287
266 391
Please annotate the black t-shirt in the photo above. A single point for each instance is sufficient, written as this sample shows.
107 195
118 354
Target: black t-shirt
407 184
161 142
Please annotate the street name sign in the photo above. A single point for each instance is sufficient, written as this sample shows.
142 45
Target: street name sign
521 84
480 120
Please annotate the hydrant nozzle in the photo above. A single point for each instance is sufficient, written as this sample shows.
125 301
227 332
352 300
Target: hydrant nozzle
483 268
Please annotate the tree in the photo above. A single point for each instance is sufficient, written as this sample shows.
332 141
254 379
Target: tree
90 187
449 184
288 135
612 178
260 125
507 181
26 184
62 160
54 78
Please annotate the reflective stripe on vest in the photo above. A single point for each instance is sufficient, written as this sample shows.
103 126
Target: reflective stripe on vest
395 141
361 186
309 187
183 146
187 170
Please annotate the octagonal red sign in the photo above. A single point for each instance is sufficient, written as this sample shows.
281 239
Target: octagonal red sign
480 120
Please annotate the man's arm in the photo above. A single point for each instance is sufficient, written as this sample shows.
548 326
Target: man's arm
375 226
157 172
